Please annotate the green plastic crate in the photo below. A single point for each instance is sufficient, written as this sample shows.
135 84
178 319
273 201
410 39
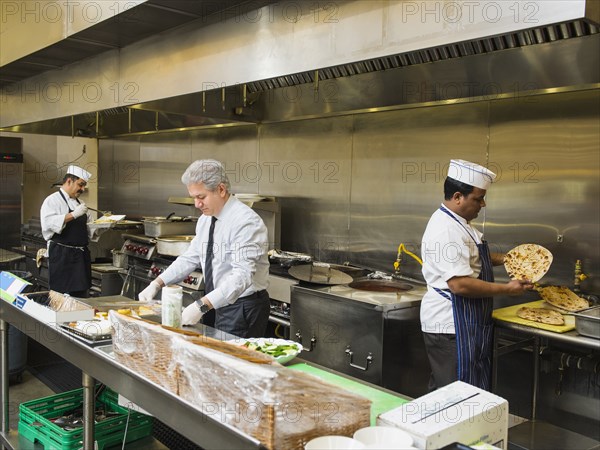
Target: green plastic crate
106 433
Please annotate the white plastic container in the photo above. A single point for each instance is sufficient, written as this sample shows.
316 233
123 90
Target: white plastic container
172 296
388 438
333 443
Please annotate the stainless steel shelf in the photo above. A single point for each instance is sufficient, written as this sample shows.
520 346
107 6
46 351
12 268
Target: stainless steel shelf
570 337
167 407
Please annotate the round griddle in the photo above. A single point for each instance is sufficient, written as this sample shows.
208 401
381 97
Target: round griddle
319 274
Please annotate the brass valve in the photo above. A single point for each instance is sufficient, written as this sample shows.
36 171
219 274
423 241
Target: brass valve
579 276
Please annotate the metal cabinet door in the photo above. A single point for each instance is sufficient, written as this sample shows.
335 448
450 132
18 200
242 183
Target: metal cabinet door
343 335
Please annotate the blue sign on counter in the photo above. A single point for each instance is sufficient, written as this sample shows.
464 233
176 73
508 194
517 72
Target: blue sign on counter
11 285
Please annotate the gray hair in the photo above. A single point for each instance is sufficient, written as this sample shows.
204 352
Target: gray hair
209 172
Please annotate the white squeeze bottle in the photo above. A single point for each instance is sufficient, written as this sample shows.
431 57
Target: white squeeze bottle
171 305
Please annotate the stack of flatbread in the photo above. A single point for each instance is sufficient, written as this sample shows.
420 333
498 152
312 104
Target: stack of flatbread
527 262
541 315
564 298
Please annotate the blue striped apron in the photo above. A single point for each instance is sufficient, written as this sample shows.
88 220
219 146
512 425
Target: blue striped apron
473 324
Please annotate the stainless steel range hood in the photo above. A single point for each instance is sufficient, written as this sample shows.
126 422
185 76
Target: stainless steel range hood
545 59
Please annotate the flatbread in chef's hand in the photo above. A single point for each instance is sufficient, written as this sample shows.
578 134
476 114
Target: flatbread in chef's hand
564 298
527 262
541 315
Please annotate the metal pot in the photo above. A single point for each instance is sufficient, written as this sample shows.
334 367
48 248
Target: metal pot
119 259
173 245
169 226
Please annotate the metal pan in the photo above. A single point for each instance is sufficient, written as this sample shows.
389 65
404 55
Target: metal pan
587 322
319 273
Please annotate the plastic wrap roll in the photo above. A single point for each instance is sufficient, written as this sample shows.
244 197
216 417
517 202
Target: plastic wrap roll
171 305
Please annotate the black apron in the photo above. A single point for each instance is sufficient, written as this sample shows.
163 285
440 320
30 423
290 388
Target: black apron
69 261
474 325
247 317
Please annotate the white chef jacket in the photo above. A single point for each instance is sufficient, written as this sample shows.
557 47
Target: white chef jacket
447 251
53 212
240 263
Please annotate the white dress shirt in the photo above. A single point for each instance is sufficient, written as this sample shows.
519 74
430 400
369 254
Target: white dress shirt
447 251
240 262
53 212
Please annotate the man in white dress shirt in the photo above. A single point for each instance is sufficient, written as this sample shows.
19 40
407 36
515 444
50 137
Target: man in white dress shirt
236 271
64 225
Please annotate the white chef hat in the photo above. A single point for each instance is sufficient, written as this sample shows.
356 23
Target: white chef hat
79 172
471 173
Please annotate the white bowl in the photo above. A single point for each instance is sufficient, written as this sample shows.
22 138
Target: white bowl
333 442
384 438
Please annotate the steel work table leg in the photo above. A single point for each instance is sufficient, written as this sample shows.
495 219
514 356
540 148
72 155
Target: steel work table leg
4 372
89 408
536 376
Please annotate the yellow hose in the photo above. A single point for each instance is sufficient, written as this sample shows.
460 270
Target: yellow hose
402 249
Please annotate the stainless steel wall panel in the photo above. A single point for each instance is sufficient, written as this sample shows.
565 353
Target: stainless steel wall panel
308 165
163 159
106 185
399 164
237 149
119 176
545 150
352 188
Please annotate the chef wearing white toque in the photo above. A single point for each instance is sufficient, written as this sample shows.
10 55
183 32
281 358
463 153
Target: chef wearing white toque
456 311
64 225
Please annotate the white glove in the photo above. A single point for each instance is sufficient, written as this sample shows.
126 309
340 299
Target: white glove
79 211
150 293
191 315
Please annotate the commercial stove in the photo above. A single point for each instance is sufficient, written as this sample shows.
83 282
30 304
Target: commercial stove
144 264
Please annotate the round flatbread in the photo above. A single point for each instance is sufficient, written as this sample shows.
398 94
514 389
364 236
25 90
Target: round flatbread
541 315
564 298
527 262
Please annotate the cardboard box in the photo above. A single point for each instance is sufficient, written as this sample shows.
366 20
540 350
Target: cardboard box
458 412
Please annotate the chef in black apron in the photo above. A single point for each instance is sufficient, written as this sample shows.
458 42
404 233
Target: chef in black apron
456 311
64 225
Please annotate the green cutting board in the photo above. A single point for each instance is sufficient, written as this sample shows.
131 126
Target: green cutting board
382 401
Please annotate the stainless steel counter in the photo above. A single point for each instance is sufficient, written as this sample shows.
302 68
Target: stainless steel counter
572 338
167 407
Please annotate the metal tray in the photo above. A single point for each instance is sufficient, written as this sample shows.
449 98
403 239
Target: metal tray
101 339
319 274
587 322
164 227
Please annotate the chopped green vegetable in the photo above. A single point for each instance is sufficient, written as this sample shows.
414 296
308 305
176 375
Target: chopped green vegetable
273 349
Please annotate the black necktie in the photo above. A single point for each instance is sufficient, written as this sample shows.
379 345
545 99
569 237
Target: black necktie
208 278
